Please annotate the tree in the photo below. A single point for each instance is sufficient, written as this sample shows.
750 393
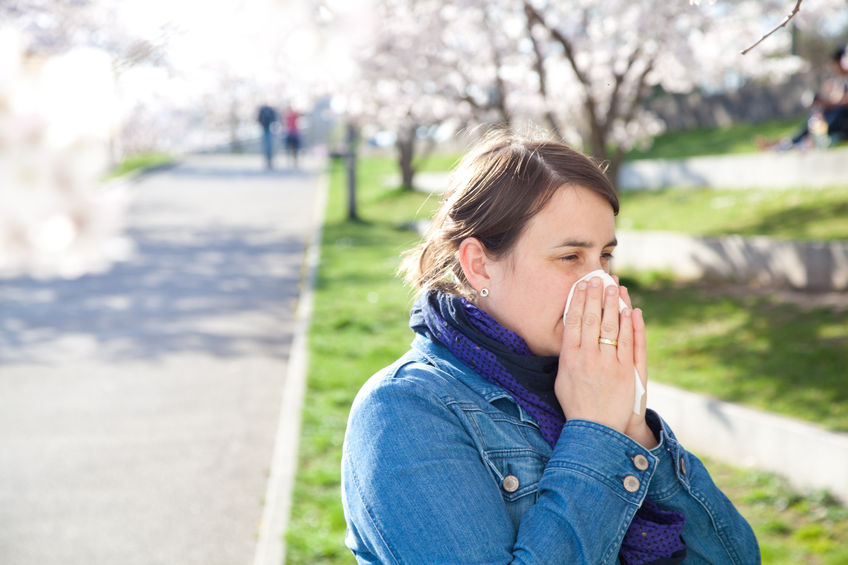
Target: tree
582 69
400 86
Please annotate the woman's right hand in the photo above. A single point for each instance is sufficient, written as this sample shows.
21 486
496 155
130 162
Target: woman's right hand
595 380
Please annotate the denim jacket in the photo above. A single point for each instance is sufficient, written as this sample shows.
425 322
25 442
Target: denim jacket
441 466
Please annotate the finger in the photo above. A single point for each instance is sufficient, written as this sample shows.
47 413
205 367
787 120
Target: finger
591 327
640 345
625 338
625 295
609 318
574 317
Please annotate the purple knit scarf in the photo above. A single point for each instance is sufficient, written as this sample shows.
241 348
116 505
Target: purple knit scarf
503 358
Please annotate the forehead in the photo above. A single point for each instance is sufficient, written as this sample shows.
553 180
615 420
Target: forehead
574 211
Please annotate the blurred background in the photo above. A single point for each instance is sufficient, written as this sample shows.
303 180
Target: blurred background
736 228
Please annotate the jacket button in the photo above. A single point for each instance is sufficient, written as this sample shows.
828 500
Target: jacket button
640 462
510 483
631 483
682 466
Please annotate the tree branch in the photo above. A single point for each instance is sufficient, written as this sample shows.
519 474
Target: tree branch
589 102
616 88
500 103
780 25
539 65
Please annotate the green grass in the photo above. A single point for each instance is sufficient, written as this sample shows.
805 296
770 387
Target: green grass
750 350
358 326
737 138
791 528
807 214
140 161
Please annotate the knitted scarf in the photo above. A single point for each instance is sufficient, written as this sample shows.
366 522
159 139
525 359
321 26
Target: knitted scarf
503 358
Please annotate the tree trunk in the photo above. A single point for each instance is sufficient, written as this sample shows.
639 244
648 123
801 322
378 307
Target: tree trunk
350 166
613 168
235 142
406 152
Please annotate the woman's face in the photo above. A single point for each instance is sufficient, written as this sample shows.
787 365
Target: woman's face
572 235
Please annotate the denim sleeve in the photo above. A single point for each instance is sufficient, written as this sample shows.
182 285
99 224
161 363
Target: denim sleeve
415 489
714 532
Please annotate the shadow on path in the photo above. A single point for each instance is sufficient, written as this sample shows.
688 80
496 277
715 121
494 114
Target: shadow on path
165 300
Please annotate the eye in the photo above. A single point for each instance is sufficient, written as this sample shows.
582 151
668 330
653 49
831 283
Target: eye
607 255
569 258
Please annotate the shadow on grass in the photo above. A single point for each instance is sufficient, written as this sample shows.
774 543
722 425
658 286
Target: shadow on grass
799 219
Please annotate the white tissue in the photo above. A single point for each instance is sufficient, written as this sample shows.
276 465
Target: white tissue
608 280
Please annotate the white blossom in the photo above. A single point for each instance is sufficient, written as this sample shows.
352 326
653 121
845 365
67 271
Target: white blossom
56 117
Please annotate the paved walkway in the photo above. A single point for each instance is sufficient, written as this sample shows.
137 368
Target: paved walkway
138 408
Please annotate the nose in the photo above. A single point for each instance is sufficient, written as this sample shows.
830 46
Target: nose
593 265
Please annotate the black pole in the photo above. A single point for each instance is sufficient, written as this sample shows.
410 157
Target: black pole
350 162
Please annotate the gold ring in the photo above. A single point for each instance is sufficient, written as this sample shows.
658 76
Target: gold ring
608 341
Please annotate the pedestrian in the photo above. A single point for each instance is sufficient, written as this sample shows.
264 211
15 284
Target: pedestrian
507 434
292 135
267 117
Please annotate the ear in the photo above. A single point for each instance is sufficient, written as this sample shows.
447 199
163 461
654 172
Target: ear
474 262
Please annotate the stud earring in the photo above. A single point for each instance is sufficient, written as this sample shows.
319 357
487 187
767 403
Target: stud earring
484 292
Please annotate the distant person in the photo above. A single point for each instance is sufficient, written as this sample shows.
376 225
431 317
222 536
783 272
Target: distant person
292 135
266 118
827 123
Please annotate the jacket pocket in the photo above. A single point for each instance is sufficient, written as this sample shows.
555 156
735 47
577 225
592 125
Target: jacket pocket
517 473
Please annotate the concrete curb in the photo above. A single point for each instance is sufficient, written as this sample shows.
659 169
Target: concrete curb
270 546
754 170
809 456
765 261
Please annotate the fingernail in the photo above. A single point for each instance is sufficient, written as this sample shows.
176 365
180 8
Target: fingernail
626 312
596 281
612 290
581 285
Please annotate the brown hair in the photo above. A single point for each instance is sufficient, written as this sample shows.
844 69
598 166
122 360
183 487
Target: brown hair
494 191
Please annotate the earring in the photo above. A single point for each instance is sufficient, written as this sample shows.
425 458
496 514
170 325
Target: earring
484 292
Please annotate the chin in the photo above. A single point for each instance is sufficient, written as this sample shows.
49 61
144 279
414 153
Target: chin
545 351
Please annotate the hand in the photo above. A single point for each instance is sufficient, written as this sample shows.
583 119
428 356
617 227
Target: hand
637 428
595 381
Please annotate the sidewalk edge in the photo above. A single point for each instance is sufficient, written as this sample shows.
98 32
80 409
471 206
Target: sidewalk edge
270 546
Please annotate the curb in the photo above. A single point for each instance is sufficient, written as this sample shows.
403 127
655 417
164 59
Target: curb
809 456
770 169
271 545
765 261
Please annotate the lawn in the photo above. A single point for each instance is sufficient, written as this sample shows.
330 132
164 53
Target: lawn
733 139
140 161
751 350
806 214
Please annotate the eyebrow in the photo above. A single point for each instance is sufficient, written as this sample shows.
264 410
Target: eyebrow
580 243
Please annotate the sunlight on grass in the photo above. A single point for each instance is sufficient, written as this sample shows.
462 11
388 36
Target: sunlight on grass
791 528
812 214
734 139
140 161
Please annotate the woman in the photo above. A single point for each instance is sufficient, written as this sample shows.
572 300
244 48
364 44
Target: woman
508 434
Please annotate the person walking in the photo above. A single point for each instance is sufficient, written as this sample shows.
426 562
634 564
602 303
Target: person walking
267 117
292 135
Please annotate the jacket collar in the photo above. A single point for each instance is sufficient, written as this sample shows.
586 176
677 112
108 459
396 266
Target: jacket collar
433 353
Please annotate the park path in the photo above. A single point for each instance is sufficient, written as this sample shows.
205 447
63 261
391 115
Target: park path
138 407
